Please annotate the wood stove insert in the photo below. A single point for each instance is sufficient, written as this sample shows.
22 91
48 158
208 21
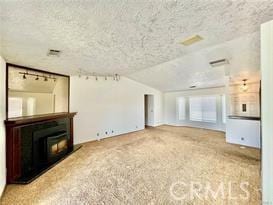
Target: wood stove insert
35 144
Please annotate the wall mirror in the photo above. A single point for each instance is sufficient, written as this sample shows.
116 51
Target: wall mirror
245 102
34 92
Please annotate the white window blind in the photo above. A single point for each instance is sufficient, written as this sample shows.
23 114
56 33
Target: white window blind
15 107
31 106
224 113
195 108
203 109
181 103
209 109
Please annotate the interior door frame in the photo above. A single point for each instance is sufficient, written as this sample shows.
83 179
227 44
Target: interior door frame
149 110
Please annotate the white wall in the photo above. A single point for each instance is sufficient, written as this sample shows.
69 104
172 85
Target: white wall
171 113
104 106
243 132
267 111
2 127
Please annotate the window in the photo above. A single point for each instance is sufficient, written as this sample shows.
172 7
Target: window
181 103
224 113
196 108
203 109
31 105
15 107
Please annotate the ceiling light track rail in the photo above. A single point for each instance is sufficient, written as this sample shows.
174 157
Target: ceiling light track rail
38 76
87 75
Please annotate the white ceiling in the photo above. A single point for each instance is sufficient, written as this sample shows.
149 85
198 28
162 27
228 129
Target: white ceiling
131 38
194 68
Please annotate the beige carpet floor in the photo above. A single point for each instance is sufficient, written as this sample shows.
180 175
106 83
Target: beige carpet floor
154 166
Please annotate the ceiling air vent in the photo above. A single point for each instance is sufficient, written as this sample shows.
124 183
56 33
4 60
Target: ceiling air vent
52 52
219 62
193 86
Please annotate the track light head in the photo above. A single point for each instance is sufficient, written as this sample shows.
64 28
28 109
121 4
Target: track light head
244 86
46 79
24 76
117 77
37 77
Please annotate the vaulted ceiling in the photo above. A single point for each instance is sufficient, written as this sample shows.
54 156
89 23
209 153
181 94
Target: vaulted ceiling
193 69
138 39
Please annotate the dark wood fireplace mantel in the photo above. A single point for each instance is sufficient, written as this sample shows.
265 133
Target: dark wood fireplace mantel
37 118
20 143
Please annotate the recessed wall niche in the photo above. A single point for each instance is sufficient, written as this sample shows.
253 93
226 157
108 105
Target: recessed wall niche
34 92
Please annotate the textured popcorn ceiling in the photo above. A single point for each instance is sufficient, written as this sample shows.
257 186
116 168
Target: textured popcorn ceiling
242 53
126 37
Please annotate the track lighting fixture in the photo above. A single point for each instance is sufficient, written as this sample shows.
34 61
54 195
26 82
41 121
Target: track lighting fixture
87 75
37 76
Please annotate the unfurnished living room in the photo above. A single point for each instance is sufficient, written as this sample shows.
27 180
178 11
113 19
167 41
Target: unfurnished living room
136 102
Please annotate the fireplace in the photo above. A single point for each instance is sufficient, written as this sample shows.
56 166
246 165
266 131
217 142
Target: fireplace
49 144
56 146
35 144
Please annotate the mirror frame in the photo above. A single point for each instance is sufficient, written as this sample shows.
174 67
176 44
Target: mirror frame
35 70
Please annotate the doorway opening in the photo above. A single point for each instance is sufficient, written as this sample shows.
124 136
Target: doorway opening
149 110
